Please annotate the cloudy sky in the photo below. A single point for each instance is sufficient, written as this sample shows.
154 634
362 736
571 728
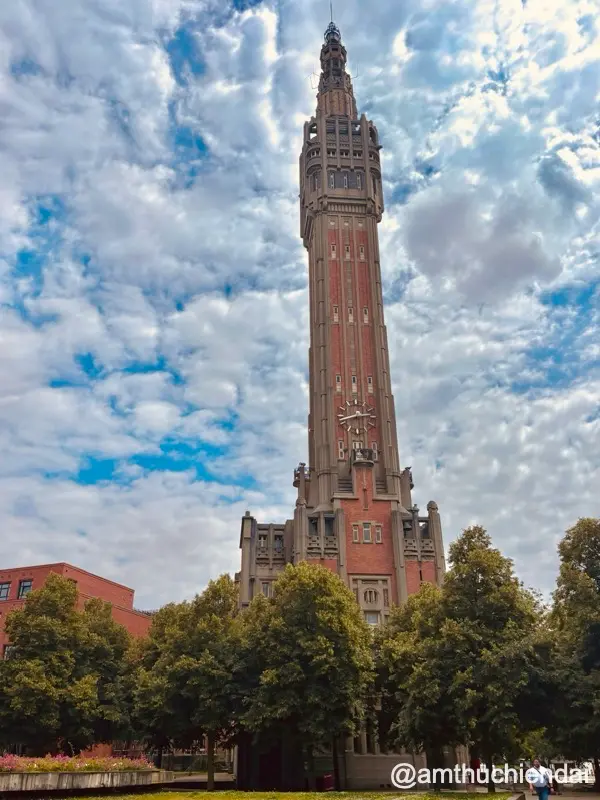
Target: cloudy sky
153 287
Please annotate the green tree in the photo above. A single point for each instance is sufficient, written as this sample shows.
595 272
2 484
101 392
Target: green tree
501 622
455 664
309 652
185 687
576 661
65 685
417 654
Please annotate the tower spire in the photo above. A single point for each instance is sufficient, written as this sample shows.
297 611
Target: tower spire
335 86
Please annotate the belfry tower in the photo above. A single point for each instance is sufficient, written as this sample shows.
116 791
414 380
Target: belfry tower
354 512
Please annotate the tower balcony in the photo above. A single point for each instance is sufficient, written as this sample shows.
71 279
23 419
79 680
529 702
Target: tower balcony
363 456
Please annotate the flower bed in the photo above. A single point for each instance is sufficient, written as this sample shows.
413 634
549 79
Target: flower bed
10 763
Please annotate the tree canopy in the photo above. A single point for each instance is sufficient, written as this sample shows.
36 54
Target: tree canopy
66 684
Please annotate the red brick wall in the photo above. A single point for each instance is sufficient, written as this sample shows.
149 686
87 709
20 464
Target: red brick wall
88 585
369 559
413 577
414 571
137 624
428 570
94 586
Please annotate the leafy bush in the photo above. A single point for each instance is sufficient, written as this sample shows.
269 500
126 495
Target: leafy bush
10 763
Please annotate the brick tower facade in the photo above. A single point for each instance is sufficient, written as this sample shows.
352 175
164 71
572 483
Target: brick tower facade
354 512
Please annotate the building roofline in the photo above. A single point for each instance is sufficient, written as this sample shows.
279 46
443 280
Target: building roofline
71 566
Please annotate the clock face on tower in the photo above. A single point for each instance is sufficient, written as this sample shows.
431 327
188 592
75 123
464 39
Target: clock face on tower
356 416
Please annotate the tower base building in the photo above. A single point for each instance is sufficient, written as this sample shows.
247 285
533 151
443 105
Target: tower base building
354 511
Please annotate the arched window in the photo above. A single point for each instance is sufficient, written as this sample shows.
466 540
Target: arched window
370 596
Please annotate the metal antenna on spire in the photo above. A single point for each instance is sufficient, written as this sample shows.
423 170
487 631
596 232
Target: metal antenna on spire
331 9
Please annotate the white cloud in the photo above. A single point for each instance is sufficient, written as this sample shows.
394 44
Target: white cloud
180 271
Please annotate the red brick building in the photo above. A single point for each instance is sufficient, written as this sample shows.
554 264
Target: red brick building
15 585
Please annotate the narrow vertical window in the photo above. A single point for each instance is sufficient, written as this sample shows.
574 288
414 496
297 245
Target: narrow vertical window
345 180
358 180
336 314
375 451
331 180
354 384
338 383
350 314
266 589
386 597
355 537
365 315
378 535
367 532
361 251
341 453
333 251
347 251
370 384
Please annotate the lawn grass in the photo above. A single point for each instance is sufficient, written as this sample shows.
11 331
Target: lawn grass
168 794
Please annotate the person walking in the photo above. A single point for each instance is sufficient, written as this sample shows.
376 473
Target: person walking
540 780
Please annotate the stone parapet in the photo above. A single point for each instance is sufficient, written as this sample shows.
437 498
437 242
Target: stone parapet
15 782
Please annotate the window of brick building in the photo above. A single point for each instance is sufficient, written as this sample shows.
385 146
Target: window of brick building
338 383
370 596
336 314
372 617
370 384
278 543
4 590
367 532
333 251
262 541
347 251
361 252
341 450
378 534
355 533
365 314
350 314
266 589
25 587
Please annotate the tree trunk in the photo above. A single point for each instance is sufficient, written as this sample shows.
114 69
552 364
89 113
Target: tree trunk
336 764
310 760
596 774
210 766
489 762
435 762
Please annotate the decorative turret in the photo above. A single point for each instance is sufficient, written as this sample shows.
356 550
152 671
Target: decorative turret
335 85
